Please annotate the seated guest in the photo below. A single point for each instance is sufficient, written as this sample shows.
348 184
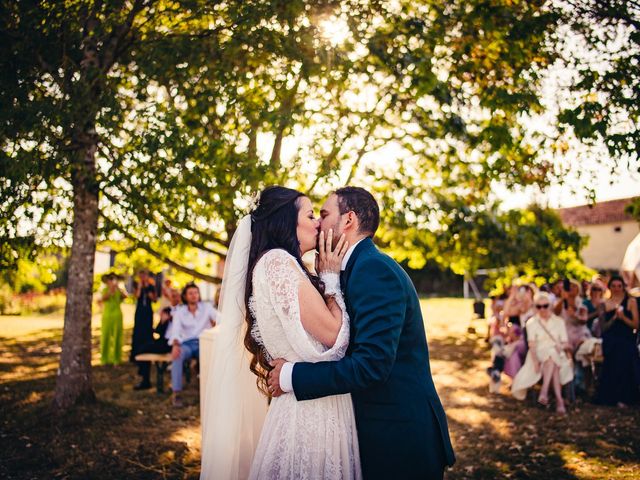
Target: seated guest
497 305
189 321
518 309
161 335
575 319
506 342
175 301
547 357
571 297
577 332
555 288
620 376
159 343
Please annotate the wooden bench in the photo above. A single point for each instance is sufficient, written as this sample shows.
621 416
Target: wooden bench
162 362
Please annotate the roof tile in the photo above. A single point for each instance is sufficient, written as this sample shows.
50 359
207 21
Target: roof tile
596 214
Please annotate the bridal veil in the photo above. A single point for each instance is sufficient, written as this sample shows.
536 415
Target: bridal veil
234 409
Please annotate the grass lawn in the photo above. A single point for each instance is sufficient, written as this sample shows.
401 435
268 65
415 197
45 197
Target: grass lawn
128 434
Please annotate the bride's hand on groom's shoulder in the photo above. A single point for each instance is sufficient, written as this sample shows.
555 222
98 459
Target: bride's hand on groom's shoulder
329 259
273 378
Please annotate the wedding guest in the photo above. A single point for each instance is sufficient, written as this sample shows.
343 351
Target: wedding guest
594 303
495 321
578 333
556 292
165 294
569 297
506 342
145 293
189 321
175 302
547 357
111 326
162 331
575 315
519 306
519 309
620 376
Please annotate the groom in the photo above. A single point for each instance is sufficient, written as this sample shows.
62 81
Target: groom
402 428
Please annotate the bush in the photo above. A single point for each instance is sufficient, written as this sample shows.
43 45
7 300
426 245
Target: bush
7 304
40 303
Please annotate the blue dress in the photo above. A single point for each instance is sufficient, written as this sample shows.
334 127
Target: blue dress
620 376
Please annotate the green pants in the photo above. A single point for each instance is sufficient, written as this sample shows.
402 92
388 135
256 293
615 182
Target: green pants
111 336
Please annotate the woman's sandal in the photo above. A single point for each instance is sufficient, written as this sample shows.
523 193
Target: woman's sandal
561 410
544 401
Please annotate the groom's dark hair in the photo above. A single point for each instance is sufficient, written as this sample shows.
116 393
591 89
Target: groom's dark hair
362 203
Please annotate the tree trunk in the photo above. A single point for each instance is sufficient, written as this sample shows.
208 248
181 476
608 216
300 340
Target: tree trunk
74 383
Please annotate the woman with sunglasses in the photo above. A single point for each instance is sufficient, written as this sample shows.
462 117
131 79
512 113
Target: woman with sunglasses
547 357
620 375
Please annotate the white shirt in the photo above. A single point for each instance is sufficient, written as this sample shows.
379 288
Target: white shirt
187 325
286 374
347 255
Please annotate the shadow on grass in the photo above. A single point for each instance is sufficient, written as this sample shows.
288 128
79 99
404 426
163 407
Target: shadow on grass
126 434
497 436
129 434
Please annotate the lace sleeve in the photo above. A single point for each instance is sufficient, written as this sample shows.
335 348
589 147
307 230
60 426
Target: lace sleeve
332 289
283 276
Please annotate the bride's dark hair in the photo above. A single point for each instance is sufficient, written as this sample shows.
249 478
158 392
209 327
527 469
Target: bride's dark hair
274 224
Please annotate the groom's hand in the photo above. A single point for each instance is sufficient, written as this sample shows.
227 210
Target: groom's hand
273 380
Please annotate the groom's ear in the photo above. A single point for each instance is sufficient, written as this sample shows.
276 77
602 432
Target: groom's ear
352 220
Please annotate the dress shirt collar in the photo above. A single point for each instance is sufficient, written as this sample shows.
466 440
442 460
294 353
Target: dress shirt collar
345 260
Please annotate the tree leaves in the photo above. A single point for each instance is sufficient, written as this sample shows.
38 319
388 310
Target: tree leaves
200 104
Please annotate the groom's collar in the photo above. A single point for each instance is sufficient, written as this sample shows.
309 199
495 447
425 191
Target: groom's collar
356 249
347 255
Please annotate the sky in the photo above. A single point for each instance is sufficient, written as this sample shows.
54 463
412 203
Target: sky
573 192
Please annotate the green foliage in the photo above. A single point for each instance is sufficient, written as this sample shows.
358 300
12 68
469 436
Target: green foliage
196 105
604 106
35 275
530 243
633 208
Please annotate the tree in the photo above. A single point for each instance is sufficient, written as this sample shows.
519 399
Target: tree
154 121
633 208
96 114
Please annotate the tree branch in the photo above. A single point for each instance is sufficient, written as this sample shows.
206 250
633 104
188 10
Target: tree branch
155 217
285 119
160 256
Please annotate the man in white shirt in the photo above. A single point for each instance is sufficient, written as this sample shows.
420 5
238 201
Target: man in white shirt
189 321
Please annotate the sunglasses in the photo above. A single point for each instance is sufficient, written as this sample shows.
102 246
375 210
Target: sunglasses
539 307
596 289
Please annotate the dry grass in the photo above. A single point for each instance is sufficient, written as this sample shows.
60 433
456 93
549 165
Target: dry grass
128 434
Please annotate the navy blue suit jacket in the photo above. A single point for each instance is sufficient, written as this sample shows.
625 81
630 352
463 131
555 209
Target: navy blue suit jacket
402 427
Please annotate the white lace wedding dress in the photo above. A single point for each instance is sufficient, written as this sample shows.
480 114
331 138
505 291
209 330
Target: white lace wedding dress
311 439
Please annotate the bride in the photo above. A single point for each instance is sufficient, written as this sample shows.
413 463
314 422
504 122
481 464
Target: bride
273 307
